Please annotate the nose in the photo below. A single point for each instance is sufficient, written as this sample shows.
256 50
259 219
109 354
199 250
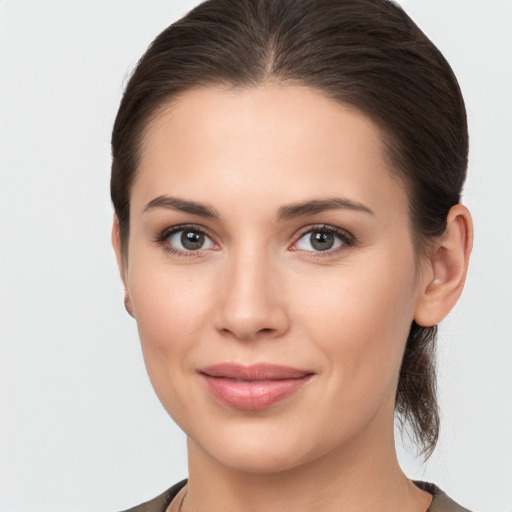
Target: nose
250 302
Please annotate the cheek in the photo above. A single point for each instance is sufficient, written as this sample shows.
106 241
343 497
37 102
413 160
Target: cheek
360 317
171 307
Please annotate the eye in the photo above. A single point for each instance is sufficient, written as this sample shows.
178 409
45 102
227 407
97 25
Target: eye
183 240
322 239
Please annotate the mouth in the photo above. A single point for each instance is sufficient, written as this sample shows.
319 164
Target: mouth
253 387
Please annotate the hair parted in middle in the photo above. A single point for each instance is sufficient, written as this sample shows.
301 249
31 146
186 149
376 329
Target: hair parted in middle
364 53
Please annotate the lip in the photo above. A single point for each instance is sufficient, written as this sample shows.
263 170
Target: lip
253 387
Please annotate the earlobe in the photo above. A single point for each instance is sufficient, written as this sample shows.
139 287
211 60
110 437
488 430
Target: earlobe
128 303
447 268
121 263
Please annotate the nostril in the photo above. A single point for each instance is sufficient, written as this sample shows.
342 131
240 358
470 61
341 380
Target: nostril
248 312
248 333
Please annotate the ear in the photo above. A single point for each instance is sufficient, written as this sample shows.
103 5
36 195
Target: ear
447 265
121 262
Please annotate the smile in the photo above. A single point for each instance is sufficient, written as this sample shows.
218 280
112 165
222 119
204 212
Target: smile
253 387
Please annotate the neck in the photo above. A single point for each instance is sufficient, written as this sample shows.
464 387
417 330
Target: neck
362 477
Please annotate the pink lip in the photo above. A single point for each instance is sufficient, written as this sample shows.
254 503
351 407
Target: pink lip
253 387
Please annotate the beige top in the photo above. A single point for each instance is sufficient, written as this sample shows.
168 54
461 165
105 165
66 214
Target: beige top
171 500
177 502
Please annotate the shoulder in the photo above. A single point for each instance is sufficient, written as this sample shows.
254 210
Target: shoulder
441 502
160 503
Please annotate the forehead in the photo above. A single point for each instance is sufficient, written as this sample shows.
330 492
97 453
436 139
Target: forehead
281 141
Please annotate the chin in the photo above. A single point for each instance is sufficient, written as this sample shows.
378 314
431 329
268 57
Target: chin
268 460
257 449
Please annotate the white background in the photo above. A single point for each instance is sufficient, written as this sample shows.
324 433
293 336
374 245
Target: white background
80 428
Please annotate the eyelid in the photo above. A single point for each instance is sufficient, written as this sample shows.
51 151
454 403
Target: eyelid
348 240
163 237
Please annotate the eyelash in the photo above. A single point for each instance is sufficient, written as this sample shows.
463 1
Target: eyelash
346 238
163 239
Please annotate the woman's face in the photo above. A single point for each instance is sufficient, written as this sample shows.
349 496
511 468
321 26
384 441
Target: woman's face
272 275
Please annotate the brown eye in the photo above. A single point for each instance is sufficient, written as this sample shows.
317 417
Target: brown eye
189 240
322 240
192 240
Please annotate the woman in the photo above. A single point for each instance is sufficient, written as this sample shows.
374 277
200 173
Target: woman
286 181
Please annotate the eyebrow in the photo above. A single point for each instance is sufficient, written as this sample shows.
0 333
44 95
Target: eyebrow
284 213
174 203
320 205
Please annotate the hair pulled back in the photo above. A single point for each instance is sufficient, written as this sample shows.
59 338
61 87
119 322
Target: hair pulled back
365 53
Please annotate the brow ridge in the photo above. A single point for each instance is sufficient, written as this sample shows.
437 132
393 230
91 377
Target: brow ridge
183 205
320 205
286 212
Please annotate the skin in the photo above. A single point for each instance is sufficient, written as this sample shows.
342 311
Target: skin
258 291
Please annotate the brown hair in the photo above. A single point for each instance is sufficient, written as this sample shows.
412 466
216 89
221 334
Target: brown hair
365 53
